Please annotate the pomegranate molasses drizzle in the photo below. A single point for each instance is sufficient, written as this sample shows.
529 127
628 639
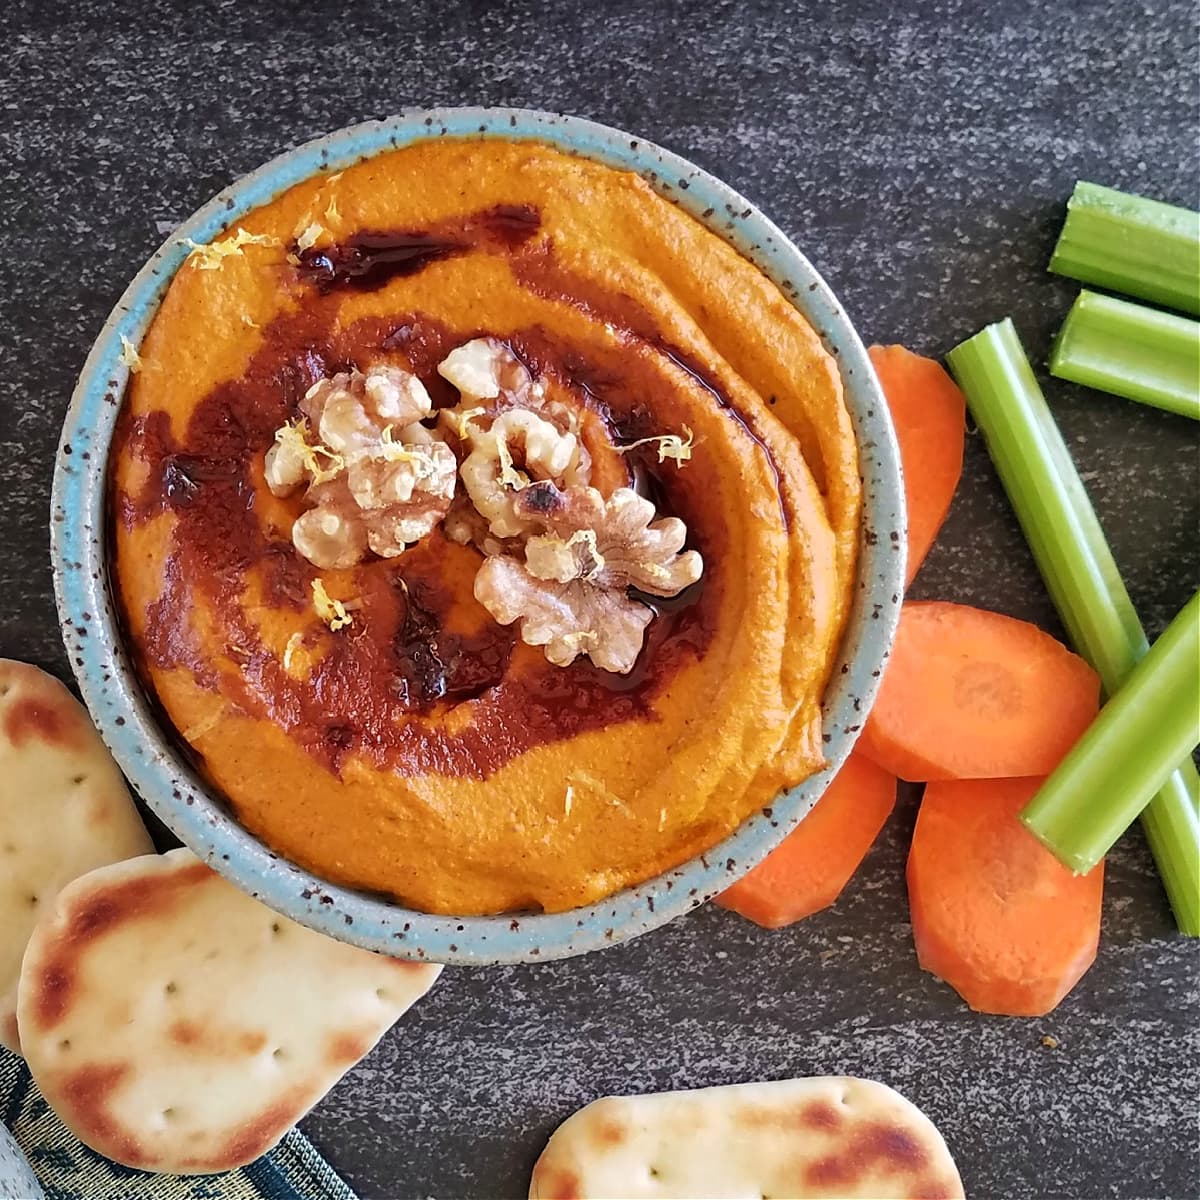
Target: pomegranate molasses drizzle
383 686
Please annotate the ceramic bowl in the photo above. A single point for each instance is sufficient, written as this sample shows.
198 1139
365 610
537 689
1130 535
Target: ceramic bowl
175 792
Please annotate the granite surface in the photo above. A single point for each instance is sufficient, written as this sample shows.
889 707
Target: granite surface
920 154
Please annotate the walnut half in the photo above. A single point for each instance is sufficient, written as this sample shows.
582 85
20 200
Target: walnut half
570 592
493 479
369 488
510 436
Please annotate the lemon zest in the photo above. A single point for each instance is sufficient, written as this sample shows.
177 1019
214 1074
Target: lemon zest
668 445
420 457
129 356
332 612
395 451
295 436
208 256
290 649
310 235
656 571
595 785
510 477
581 637
461 421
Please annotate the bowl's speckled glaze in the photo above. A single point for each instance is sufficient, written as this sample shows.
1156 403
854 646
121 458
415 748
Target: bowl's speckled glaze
176 793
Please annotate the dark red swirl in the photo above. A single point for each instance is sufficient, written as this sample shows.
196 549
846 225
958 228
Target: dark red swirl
401 661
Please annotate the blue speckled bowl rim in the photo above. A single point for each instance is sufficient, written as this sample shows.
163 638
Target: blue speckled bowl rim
177 794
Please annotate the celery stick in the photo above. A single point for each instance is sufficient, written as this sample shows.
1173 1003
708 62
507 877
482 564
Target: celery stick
1128 752
1130 244
1078 567
1131 351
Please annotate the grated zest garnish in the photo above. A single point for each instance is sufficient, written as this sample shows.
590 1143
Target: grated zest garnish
129 356
295 434
332 612
208 256
668 445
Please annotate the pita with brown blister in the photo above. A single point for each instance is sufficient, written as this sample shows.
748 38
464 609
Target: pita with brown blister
799 1138
64 809
175 1024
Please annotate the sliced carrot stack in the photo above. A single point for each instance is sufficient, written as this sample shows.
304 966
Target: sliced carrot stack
929 414
808 870
969 694
994 913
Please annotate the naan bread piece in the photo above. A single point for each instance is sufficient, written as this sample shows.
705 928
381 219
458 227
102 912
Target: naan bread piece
64 809
797 1138
175 1024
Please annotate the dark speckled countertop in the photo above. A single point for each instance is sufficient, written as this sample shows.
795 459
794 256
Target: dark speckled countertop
920 154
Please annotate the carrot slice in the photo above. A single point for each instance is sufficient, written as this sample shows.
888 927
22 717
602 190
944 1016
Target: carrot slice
929 415
808 870
969 694
994 913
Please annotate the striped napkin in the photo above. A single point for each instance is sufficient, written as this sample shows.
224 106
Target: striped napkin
68 1170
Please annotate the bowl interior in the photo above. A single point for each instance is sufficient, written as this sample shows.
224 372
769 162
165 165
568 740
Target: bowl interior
175 792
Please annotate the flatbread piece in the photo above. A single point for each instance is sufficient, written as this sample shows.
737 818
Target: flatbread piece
175 1024
64 809
795 1138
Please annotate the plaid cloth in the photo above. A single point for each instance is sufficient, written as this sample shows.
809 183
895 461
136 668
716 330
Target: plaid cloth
68 1170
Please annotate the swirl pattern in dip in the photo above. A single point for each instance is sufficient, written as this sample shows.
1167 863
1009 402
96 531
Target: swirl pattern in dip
414 746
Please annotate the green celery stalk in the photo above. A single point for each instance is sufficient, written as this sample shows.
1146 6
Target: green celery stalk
1131 351
1128 752
1131 244
1078 567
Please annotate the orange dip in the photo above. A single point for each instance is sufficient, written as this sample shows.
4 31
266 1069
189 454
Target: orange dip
424 751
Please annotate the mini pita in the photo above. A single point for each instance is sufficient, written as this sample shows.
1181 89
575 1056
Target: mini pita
797 1138
64 809
175 1024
